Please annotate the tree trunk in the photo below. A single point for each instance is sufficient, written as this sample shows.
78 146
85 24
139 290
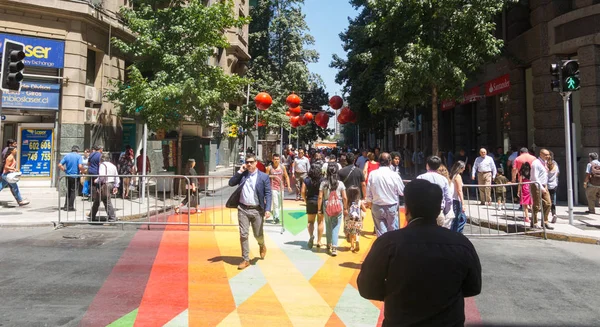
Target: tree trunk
179 141
434 121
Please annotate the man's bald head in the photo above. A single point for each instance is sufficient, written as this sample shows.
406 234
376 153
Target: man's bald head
482 152
385 159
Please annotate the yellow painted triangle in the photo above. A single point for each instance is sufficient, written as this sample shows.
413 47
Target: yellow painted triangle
231 251
263 309
232 320
302 303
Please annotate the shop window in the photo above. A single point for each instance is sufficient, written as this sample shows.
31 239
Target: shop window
91 71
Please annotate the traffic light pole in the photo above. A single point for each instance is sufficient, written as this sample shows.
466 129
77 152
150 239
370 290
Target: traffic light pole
568 155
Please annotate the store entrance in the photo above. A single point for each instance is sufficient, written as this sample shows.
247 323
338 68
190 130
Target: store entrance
9 131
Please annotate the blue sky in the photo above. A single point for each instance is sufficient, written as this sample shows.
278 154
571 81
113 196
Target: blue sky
326 20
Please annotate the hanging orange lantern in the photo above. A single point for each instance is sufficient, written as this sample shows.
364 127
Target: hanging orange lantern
341 119
263 101
293 100
336 102
303 121
295 111
308 116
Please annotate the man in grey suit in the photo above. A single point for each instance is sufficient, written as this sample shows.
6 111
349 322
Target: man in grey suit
253 207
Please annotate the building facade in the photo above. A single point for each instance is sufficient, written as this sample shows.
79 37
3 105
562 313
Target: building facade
68 42
511 103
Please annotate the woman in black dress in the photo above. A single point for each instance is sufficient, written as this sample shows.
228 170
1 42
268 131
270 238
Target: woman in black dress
310 194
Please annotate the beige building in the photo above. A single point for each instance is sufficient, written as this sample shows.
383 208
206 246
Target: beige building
69 42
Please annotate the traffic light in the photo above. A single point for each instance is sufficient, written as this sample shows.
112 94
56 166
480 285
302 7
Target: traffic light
570 76
12 65
555 84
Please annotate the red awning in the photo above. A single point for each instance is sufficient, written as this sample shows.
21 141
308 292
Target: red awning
498 85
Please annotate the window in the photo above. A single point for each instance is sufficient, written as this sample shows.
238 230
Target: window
90 72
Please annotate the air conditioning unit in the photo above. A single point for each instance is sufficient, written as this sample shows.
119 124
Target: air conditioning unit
93 95
91 115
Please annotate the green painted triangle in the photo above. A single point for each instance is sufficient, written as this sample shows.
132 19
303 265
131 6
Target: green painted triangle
126 321
295 221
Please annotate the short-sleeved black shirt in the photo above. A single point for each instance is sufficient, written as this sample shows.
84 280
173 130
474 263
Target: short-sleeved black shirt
356 178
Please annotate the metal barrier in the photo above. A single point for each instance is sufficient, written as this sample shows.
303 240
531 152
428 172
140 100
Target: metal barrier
161 198
506 221
169 201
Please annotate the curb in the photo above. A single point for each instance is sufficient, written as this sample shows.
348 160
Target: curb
25 225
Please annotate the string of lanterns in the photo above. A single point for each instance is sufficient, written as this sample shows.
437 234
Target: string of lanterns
263 101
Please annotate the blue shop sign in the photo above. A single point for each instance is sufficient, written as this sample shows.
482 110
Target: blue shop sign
36 152
33 96
39 52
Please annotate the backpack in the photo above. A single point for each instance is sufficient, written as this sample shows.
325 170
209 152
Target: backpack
354 211
595 174
333 207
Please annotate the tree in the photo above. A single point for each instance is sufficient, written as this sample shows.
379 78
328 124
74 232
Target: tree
428 48
171 80
278 44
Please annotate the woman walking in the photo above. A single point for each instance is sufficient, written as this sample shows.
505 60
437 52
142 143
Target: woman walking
370 166
456 183
449 218
332 196
126 168
524 192
10 166
310 195
553 184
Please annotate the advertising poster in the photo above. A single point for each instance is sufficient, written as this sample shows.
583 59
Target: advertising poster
33 96
36 152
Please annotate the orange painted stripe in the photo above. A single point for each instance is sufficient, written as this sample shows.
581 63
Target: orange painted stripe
263 309
166 294
210 299
335 321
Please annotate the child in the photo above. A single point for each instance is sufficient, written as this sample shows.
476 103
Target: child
500 190
524 191
354 220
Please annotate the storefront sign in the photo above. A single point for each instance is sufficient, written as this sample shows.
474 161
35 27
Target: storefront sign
36 152
498 85
39 52
448 104
33 96
472 95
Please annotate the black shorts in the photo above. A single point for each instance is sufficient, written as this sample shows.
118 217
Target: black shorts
312 207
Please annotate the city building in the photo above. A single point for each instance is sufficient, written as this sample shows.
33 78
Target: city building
69 42
511 103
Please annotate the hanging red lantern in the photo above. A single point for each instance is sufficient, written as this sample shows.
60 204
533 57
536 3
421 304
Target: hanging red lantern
341 119
295 120
295 111
322 119
352 117
262 123
345 113
336 102
263 101
293 100
308 116
287 113
303 121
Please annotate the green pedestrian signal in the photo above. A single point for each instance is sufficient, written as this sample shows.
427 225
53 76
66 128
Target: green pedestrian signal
572 83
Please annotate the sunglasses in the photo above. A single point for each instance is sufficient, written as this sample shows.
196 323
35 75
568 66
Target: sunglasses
250 162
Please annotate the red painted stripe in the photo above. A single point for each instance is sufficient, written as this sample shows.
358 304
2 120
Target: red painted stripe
166 293
472 315
122 291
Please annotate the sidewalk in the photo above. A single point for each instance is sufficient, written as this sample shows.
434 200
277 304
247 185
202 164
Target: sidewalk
44 206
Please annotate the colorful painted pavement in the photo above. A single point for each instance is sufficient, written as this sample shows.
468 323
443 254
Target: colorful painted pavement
179 278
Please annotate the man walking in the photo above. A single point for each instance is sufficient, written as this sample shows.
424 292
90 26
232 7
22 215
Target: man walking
523 157
486 172
278 175
432 176
353 176
384 189
539 174
106 184
591 183
362 160
254 204
422 272
301 166
72 165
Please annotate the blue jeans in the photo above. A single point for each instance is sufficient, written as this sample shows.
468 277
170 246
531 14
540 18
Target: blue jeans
385 218
460 219
86 187
332 229
14 188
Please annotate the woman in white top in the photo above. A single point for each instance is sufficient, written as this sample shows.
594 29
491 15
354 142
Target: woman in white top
456 185
443 170
552 184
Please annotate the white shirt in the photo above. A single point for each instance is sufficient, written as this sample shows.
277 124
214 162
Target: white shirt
301 165
484 165
249 196
553 177
324 168
539 172
435 178
588 168
106 169
384 187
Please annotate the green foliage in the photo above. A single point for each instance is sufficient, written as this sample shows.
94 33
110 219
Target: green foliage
279 47
171 79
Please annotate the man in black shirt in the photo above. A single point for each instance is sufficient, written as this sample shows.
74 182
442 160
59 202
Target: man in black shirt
423 272
352 176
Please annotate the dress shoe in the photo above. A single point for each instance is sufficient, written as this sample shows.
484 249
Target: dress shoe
549 227
263 251
243 265
554 219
